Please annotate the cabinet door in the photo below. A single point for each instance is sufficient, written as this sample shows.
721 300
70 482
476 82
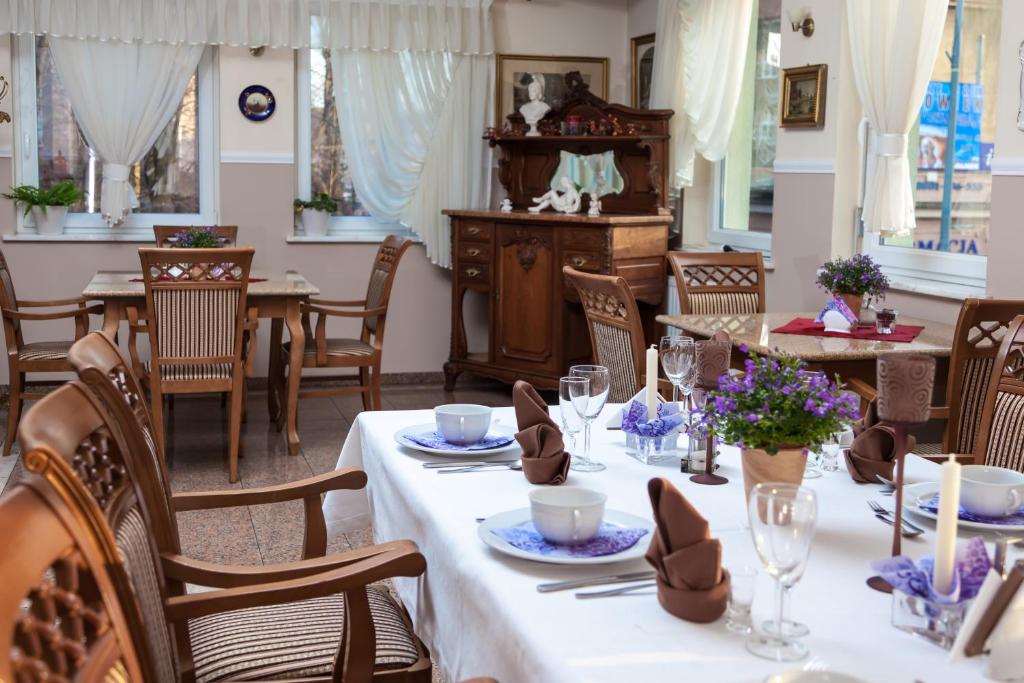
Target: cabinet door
525 284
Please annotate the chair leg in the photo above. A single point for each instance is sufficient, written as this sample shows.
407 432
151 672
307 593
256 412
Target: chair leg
375 388
157 406
364 382
14 404
278 385
245 400
234 433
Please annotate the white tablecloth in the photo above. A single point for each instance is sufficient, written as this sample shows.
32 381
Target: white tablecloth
480 614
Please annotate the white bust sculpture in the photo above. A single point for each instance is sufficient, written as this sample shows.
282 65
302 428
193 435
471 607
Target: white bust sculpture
568 201
534 110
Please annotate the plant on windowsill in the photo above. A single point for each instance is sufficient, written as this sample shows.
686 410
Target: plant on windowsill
852 278
776 412
49 207
315 214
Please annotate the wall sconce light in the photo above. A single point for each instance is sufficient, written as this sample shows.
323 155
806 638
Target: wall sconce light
805 26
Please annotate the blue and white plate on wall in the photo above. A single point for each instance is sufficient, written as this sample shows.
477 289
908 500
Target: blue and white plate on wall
257 103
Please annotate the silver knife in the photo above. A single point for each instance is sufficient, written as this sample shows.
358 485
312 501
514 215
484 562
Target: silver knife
466 463
596 581
614 591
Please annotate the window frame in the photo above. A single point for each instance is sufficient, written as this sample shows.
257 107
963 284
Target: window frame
719 234
136 224
340 228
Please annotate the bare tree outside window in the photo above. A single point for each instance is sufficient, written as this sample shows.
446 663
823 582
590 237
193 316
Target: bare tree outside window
330 173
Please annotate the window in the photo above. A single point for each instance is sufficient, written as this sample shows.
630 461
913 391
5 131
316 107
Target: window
174 180
952 210
745 181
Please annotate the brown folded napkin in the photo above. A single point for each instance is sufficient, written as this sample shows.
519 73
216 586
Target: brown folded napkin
544 458
712 357
691 582
873 450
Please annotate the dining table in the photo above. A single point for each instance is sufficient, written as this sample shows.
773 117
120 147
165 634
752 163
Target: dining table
480 613
275 295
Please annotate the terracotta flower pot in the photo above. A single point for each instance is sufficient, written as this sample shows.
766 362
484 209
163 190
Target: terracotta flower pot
854 301
786 466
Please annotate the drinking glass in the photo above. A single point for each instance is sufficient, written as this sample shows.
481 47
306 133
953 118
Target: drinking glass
677 360
596 394
782 523
571 391
830 453
742 582
790 628
811 461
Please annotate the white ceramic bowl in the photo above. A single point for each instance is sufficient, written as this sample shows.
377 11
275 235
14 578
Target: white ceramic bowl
462 423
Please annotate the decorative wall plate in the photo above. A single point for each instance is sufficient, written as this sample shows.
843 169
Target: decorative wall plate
256 103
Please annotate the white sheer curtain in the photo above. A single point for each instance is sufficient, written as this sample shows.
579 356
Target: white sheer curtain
698 72
122 95
452 25
412 125
891 69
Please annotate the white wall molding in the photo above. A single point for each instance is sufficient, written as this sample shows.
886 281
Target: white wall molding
804 166
1008 166
257 158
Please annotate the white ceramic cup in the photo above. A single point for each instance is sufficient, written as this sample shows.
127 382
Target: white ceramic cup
991 491
567 514
462 423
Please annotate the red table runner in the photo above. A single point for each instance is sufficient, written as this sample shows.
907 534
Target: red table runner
252 279
806 326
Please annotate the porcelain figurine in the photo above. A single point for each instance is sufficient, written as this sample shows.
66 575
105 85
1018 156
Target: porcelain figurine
505 206
568 201
594 210
534 110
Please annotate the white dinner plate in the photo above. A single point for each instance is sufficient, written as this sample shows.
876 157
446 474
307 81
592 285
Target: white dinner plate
402 440
812 677
512 518
914 494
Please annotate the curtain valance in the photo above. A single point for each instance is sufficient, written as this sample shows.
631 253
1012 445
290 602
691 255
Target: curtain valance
456 26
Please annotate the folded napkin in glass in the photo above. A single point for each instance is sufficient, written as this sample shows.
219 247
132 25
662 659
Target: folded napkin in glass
610 539
1016 518
436 441
668 420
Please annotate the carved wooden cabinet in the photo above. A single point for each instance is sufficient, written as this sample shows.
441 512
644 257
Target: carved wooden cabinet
536 328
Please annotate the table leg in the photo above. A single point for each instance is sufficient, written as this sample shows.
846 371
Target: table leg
273 400
113 314
298 344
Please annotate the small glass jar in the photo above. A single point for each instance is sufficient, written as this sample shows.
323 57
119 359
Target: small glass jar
885 321
937 622
653 450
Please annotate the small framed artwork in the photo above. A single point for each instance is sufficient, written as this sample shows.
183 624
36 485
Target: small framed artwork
523 79
802 104
642 66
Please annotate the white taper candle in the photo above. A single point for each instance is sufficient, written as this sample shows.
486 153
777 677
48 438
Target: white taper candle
949 515
651 393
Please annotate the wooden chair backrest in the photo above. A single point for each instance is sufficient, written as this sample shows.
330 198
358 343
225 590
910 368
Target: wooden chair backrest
106 373
165 235
616 330
70 446
1001 437
9 301
60 617
196 302
382 278
725 283
980 330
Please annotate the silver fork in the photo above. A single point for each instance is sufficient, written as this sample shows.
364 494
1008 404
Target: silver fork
884 514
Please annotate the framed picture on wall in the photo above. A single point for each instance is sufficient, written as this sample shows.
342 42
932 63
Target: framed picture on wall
523 77
642 66
802 104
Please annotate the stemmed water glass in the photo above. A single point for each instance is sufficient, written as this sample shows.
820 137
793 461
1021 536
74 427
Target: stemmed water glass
572 392
596 393
782 523
678 358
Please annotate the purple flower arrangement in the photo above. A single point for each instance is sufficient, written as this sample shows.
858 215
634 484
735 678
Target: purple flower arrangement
778 403
856 275
197 237
915 578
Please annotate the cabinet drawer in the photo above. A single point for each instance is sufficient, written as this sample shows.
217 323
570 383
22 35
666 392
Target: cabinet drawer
472 251
587 261
592 239
477 231
474 273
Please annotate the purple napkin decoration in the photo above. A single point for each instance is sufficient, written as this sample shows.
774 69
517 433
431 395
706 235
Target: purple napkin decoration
610 539
1015 518
634 419
840 306
436 440
906 576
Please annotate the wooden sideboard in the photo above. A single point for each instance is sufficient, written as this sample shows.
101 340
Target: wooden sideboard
536 328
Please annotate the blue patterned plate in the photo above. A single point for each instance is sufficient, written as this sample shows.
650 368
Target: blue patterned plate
474 453
917 498
518 518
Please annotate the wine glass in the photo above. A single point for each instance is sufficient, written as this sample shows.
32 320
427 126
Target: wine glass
782 522
596 394
572 391
677 360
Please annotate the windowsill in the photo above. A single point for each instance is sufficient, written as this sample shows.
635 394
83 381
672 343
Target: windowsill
354 237
138 238
714 248
939 290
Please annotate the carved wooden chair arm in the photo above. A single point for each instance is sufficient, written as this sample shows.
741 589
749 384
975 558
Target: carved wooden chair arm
326 302
77 301
365 313
95 309
202 573
863 389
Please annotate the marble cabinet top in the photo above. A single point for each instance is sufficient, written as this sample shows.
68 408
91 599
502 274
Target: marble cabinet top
936 339
108 284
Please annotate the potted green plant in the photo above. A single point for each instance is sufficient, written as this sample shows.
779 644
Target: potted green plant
776 412
49 207
852 278
315 214
196 237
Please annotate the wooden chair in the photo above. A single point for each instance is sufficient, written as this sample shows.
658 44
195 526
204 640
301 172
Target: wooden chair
980 328
59 613
616 330
726 283
1000 439
317 617
364 353
196 311
165 234
44 356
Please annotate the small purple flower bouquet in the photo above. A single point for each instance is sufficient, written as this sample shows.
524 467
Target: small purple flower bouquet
634 419
837 316
915 579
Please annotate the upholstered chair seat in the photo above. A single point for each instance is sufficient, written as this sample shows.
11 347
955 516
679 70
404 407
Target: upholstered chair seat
336 347
47 350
